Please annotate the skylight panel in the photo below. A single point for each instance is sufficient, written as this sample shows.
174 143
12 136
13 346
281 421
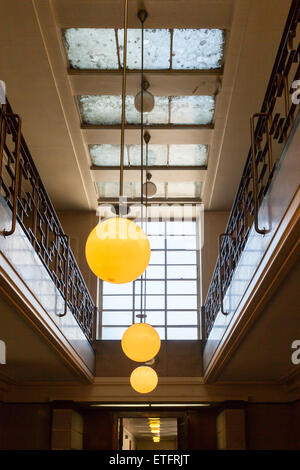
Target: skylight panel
192 109
89 48
156 48
189 155
107 189
99 110
106 110
159 114
107 155
157 155
197 48
178 154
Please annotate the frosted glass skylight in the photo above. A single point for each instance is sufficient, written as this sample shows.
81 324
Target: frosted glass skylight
107 155
197 48
89 48
192 109
132 189
106 110
179 155
189 155
156 48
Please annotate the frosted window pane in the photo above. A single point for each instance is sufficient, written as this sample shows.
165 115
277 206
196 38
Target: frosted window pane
182 287
156 243
111 289
157 155
106 110
113 332
153 287
102 109
155 272
156 48
184 302
112 189
157 257
177 257
192 155
182 318
89 48
181 272
182 333
159 114
181 228
154 318
107 155
192 109
197 48
116 318
153 302
111 302
184 189
181 243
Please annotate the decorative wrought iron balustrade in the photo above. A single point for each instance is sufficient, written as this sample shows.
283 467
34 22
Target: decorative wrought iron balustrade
273 126
25 195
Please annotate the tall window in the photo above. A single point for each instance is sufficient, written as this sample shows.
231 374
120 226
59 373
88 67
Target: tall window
172 299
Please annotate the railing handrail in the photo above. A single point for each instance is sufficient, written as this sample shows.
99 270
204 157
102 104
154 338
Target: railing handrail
86 325
266 108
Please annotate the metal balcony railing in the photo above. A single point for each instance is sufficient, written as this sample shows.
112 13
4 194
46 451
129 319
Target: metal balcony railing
25 195
268 138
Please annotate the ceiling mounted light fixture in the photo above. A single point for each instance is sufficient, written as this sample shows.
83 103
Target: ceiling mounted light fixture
149 188
117 250
140 342
143 379
148 99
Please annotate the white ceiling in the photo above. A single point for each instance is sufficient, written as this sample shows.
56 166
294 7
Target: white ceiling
34 66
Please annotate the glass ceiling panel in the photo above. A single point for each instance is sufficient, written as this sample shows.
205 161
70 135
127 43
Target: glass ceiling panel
156 48
164 190
197 48
189 155
107 155
89 48
179 155
192 109
106 110
159 114
157 155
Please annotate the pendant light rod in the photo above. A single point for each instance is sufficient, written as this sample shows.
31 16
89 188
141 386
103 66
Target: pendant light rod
123 98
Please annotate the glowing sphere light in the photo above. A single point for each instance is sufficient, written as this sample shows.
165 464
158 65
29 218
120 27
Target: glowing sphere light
140 342
117 250
143 379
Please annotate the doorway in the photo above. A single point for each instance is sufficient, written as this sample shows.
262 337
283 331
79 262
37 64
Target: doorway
148 433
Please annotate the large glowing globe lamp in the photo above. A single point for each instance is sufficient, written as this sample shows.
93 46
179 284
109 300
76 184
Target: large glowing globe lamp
117 250
143 379
140 342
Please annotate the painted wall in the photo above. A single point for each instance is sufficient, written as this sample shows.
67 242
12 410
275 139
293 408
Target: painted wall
129 441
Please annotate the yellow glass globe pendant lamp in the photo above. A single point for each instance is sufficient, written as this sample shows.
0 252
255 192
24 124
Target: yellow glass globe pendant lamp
143 379
117 250
141 342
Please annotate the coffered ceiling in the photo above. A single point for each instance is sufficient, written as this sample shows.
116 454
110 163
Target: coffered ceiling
66 89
